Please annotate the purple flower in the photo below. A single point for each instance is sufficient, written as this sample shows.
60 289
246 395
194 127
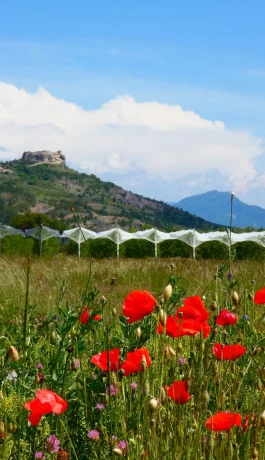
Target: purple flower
100 406
93 435
246 317
76 364
113 391
40 366
122 445
113 438
133 385
40 455
181 361
229 276
52 444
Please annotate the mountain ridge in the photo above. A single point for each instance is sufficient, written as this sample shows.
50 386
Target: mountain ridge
217 205
51 189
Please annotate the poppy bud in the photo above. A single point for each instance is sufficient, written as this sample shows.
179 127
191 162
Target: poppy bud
143 363
262 418
255 453
235 298
117 452
166 351
194 425
53 336
138 333
213 306
153 404
13 354
171 351
206 396
114 311
146 388
167 292
152 422
11 427
162 317
162 394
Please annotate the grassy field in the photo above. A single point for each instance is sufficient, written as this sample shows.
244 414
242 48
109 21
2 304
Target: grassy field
47 276
161 382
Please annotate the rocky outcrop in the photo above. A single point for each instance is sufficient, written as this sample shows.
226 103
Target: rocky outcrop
44 156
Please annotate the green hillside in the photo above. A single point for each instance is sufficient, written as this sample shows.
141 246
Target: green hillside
45 188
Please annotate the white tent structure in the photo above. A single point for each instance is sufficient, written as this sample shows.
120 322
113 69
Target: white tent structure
42 233
5 230
118 237
79 235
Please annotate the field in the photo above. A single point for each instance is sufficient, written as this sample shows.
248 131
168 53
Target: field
99 384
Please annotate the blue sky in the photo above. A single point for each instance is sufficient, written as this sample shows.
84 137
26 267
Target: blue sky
207 57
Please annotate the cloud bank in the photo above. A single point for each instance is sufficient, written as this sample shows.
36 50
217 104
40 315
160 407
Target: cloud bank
141 145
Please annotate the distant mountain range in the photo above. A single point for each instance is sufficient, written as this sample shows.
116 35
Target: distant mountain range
214 206
41 183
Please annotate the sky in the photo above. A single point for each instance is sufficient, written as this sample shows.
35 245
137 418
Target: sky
164 98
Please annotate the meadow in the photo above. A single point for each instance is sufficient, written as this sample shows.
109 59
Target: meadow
93 367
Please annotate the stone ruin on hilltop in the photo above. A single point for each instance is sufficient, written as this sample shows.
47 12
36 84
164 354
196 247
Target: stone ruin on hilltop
44 156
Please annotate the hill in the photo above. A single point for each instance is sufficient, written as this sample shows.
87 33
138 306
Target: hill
45 187
215 206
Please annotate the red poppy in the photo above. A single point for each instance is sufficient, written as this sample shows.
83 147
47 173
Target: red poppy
46 402
259 297
231 352
225 318
106 359
193 309
223 421
175 328
134 361
178 392
84 318
137 305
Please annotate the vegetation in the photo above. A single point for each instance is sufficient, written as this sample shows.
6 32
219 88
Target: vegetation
157 397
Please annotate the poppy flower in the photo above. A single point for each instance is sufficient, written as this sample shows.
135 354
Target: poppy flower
225 318
106 359
259 297
175 328
178 392
223 421
137 305
46 402
231 352
193 308
134 361
85 317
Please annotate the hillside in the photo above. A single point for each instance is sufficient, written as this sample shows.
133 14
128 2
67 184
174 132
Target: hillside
215 205
48 188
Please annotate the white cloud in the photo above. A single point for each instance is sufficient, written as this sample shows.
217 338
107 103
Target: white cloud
164 142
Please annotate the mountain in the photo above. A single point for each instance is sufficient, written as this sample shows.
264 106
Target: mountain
215 206
40 182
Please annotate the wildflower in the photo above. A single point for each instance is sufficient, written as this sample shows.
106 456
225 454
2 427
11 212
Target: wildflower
12 376
85 317
122 445
76 364
107 359
40 366
226 318
223 421
193 309
62 455
52 444
178 392
175 328
113 438
246 317
136 361
40 455
40 378
133 385
182 361
225 352
259 297
100 406
46 402
93 435
112 390
229 276
137 305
